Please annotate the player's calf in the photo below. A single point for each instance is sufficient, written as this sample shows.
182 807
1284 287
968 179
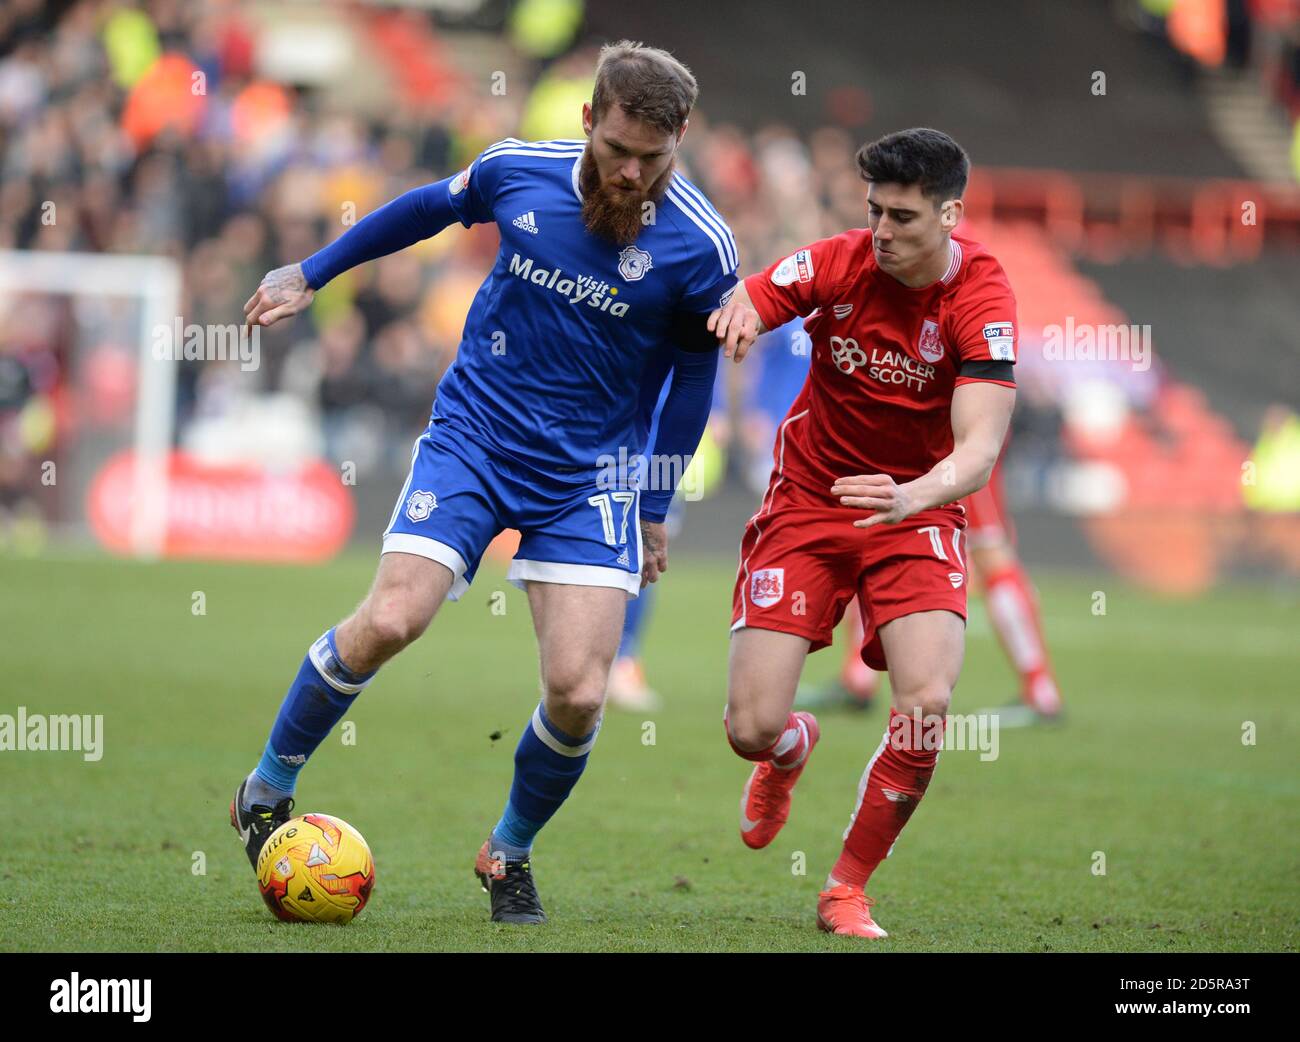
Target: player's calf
577 631
319 696
892 786
549 760
924 651
337 668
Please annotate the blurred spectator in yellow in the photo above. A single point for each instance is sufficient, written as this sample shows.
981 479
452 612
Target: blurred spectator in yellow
545 28
1274 485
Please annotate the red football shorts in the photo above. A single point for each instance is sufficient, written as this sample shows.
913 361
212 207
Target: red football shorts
802 562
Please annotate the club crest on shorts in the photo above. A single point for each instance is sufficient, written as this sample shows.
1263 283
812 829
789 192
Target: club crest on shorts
929 344
767 586
633 264
419 505
956 578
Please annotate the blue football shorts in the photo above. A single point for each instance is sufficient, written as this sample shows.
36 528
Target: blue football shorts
575 529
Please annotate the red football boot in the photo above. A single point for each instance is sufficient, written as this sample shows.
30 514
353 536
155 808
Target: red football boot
765 803
845 910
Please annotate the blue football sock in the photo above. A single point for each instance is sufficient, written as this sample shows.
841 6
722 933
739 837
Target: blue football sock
548 763
320 694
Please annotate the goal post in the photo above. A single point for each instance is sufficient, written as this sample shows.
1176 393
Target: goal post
153 285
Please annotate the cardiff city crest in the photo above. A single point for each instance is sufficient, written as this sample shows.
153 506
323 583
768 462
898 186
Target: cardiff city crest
633 264
420 505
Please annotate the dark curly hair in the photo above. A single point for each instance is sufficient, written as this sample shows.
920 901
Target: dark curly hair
920 156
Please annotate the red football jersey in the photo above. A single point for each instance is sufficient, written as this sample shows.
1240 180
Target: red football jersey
886 357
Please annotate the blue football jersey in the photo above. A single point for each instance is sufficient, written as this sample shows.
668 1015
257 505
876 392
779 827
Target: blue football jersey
784 355
567 343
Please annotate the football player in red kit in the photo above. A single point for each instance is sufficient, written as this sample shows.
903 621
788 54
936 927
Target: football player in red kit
904 412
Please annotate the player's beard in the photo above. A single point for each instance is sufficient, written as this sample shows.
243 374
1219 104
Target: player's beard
614 213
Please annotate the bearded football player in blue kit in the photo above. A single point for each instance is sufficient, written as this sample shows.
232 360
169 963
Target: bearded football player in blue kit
609 265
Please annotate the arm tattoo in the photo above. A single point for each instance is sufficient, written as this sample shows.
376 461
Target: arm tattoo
283 282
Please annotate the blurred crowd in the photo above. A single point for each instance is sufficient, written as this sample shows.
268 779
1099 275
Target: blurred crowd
170 128
1255 38
235 137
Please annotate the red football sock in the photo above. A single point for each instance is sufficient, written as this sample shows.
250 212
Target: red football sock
1013 610
891 787
787 751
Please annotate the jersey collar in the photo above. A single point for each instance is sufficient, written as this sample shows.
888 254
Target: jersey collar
954 261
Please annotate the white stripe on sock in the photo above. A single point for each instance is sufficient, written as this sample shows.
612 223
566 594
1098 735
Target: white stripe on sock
787 742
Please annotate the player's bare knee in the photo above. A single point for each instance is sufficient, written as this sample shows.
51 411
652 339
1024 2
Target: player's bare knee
575 692
584 705
393 621
752 739
931 699
752 730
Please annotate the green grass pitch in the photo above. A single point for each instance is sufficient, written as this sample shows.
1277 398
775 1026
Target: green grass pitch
1200 832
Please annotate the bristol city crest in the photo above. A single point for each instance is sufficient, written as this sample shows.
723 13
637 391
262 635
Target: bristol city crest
633 264
929 345
767 586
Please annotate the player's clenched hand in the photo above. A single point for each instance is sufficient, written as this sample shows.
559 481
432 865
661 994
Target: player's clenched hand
283 292
736 325
654 551
879 492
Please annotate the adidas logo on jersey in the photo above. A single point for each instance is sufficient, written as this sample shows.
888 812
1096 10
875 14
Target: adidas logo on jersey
527 222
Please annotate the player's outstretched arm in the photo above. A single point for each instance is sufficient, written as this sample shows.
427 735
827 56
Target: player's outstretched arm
736 324
981 413
406 220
